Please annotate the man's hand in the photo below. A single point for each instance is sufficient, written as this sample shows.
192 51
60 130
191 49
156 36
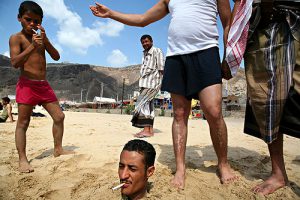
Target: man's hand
100 10
226 73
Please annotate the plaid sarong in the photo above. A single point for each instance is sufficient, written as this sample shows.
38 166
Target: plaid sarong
143 114
272 60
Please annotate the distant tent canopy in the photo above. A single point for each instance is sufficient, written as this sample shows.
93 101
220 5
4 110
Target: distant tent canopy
104 100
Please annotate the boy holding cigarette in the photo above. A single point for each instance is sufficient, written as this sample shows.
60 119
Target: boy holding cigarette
27 52
135 167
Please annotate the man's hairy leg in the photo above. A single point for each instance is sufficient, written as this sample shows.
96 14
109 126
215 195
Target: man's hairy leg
181 109
24 114
278 178
58 127
211 103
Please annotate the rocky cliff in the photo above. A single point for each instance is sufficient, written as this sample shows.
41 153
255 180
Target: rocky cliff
73 81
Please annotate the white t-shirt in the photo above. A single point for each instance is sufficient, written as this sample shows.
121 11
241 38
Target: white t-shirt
193 26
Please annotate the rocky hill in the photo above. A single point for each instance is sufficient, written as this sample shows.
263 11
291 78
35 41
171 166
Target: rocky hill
75 81
71 81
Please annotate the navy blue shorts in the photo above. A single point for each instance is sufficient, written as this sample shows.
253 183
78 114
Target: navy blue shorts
188 74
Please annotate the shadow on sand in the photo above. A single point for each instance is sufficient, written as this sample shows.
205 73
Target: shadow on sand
49 152
250 164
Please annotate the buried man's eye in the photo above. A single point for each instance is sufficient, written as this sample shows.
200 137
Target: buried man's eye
133 169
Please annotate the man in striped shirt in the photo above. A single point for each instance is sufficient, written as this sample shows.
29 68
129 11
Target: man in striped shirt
149 83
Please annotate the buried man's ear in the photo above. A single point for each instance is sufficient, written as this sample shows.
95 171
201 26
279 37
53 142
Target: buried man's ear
150 171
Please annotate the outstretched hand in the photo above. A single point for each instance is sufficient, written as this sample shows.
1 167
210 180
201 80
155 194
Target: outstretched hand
226 73
100 10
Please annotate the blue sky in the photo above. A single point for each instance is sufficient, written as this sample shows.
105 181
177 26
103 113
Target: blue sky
83 38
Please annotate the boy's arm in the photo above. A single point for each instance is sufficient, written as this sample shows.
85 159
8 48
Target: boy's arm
17 56
48 46
9 109
225 16
157 12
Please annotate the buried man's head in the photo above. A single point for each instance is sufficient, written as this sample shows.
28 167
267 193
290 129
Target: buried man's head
135 167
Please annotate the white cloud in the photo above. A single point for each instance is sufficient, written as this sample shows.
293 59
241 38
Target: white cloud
111 28
71 31
6 53
117 58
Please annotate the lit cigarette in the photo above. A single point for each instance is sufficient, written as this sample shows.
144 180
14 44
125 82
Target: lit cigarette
118 186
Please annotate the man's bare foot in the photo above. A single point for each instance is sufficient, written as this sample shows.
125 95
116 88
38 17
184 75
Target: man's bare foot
143 134
57 153
25 167
226 174
178 180
270 185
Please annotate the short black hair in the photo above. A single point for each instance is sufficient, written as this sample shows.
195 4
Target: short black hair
30 6
6 99
146 36
144 148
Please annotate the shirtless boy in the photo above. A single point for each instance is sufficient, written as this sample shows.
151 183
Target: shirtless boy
27 52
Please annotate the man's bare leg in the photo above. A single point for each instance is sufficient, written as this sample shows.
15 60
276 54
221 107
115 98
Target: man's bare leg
278 178
58 127
211 103
24 114
181 109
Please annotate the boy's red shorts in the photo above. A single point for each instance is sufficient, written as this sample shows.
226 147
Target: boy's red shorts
34 92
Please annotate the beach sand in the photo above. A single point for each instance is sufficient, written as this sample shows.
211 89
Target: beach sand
98 140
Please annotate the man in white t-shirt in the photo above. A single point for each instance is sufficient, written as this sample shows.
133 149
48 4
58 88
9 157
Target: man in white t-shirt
192 69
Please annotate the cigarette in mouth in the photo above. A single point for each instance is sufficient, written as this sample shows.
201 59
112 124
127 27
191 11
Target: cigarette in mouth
118 186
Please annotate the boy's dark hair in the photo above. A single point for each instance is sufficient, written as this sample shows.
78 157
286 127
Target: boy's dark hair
146 36
6 99
30 6
144 148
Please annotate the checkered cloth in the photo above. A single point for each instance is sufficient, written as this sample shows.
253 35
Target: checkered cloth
237 37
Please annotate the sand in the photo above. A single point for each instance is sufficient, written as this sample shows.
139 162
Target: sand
98 140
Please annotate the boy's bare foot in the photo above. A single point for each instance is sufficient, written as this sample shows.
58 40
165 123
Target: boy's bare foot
57 153
178 180
25 167
270 185
226 174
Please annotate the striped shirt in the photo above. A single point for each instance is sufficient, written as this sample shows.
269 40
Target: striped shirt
152 64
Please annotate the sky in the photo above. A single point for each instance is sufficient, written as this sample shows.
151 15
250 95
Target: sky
82 38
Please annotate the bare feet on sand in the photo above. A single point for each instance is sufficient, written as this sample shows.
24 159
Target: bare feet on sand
25 167
226 174
57 153
143 134
178 180
270 185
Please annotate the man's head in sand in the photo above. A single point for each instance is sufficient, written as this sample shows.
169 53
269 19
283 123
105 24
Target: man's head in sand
135 167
